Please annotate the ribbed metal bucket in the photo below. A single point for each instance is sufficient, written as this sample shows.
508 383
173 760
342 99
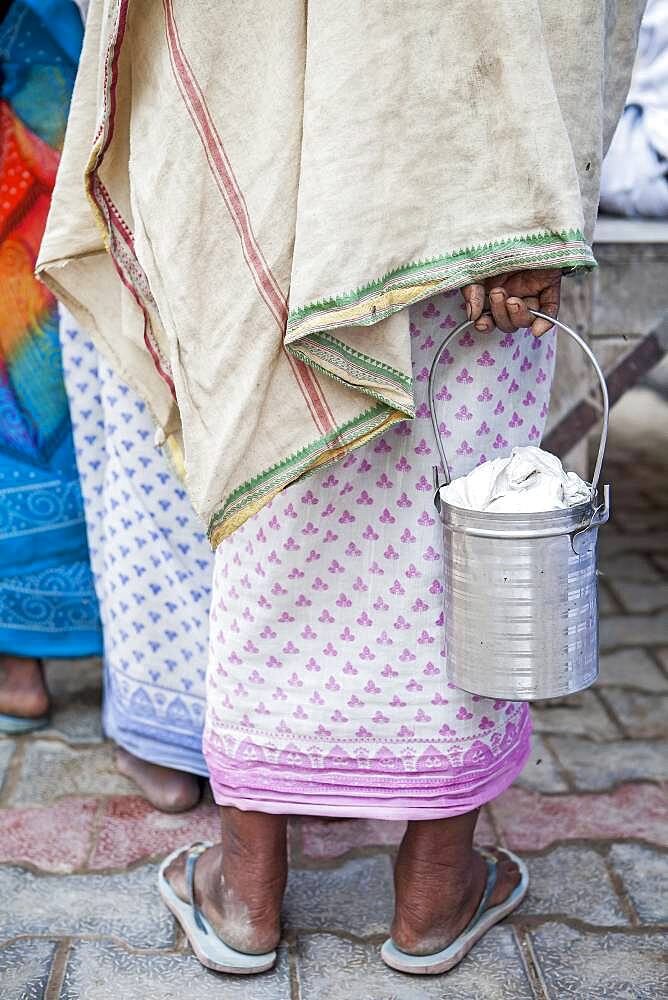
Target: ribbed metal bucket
521 603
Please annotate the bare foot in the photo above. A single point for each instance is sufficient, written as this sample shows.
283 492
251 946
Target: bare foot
22 689
239 883
165 788
439 882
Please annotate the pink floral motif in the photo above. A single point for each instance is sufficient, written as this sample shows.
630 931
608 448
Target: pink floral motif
486 360
448 323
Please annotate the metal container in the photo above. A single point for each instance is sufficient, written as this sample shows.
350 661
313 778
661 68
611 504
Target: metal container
521 601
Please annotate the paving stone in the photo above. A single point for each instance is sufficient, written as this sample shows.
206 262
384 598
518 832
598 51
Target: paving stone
530 821
51 770
484 831
54 838
642 715
662 655
612 544
73 678
607 605
579 715
326 840
103 970
24 968
630 566
596 766
7 748
355 898
633 668
640 521
627 498
581 964
322 839
540 771
634 630
640 597
126 906
131 830
573 882
76 698
330 968
644 873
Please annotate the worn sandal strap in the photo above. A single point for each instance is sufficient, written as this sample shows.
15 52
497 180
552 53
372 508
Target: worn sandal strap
492 870
195 851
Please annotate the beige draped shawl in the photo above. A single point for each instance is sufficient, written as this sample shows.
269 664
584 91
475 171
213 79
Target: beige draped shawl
252 192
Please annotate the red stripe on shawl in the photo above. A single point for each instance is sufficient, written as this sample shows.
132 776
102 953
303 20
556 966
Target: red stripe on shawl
115 220
233 197
106 206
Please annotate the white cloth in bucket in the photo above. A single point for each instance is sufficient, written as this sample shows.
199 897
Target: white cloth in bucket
528 481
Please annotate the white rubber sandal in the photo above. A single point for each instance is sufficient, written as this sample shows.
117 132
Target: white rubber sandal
480 923
207 946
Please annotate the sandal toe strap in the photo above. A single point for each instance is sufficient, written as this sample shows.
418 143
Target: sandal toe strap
195 851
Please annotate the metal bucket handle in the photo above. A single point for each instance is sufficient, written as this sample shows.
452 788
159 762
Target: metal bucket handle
578 340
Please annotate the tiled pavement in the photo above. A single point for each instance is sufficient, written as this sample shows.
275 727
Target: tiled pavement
81 920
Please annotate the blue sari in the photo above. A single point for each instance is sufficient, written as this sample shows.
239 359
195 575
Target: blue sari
47 598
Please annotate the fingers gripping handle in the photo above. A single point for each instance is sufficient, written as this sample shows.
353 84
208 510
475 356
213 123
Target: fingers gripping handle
584 347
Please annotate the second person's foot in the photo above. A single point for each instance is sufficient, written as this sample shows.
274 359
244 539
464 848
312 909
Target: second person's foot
23 692
165 788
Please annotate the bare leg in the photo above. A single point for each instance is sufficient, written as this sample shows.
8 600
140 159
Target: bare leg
439 881
165 788
239 883
22 689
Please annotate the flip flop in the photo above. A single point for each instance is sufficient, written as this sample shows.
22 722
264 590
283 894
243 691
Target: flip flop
480 923
207 946
15 725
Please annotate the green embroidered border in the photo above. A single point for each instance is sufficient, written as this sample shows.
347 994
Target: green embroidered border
407 409
460 266
372 365
379 372
300 464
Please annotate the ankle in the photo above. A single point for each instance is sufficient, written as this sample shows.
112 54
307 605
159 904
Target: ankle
427 897
23 691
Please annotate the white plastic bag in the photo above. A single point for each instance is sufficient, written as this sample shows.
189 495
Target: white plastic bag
528 481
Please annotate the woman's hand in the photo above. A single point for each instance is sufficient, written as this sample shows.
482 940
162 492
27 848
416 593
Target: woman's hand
508 297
